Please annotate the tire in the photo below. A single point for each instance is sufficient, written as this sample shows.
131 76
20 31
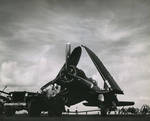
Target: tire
34 108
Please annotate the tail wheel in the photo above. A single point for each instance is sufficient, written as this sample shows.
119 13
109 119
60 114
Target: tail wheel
34 108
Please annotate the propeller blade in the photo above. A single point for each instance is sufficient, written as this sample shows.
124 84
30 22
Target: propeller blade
68 50
75 56
49 83
103 71
73 60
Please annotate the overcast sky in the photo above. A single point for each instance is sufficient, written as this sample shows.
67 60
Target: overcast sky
33 35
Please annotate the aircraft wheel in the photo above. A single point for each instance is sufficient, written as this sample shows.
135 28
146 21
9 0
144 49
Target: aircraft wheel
34 108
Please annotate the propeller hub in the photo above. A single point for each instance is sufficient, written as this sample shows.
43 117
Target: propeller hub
64 74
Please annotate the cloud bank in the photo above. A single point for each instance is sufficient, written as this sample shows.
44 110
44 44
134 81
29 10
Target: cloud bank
33 36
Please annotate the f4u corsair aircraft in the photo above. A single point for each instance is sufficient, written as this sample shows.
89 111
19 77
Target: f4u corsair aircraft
74 86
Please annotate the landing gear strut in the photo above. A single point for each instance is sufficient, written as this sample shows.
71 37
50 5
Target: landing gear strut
56 106
34 108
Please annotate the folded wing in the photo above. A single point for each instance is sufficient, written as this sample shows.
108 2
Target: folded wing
104 72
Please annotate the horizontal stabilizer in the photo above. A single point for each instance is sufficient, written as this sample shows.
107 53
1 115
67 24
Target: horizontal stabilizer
124 103
90 104
120 103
